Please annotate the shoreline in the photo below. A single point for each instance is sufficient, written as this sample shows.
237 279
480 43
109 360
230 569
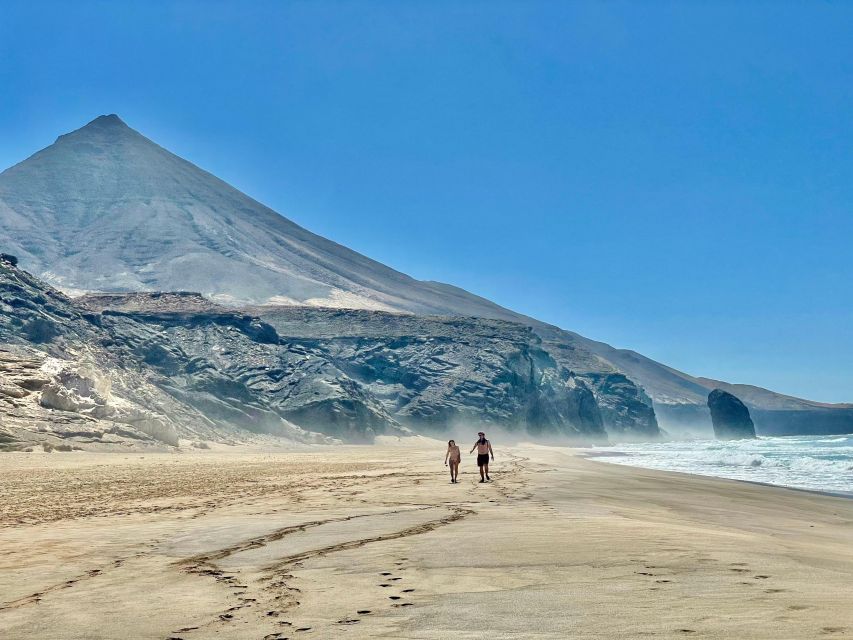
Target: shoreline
374 542
594 455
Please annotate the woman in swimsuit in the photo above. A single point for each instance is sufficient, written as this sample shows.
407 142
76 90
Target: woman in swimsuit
455 457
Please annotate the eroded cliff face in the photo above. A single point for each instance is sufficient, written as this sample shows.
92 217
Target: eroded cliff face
435 373
171 366
68 379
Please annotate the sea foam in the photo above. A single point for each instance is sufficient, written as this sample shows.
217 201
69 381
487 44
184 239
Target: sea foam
818 463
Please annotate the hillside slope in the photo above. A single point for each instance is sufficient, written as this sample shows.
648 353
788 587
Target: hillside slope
106 209
130 370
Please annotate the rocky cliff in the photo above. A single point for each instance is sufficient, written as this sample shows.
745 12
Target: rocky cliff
436 373
70 378
142 367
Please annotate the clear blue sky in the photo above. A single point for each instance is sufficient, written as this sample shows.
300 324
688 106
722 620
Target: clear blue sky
674 178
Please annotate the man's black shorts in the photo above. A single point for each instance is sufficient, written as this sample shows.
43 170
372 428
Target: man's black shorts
482 458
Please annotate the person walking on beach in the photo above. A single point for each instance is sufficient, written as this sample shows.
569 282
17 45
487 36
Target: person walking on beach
484 449
454 455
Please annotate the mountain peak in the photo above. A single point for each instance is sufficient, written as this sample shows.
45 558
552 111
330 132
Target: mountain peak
103 127
104 121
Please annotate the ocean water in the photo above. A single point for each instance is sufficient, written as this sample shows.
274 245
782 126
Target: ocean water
818 463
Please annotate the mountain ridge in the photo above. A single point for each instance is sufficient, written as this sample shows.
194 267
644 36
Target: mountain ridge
106 209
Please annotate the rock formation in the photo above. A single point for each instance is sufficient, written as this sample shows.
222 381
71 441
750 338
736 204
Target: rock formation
148 368
76 385
729 416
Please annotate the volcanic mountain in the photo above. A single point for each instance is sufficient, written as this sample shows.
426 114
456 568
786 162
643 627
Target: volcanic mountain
105 209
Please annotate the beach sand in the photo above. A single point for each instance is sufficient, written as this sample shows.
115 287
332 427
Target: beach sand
374 542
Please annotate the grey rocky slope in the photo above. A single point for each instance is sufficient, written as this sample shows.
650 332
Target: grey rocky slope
70 378
116 370
434 372
353 374
105 209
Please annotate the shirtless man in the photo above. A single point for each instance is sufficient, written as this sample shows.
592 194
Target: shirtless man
455 457
484 449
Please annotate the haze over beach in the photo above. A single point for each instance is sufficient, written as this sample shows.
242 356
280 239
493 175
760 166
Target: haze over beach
313 321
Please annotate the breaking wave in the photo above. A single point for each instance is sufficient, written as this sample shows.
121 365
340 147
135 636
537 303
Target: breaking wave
818 463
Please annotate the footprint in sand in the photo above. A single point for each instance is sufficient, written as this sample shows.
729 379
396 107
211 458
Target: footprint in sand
828 630
403 604
686 630
385 573
363 612
395 578
384 585
761 577
393 597
407 590
739 570
798 607
349 621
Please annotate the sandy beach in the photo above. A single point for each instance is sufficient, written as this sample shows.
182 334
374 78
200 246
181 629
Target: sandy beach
374 542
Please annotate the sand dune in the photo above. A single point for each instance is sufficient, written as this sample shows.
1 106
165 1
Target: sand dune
373 542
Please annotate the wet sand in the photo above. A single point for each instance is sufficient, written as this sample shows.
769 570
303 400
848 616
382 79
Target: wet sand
374 542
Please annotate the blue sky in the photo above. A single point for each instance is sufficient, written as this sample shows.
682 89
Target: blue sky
674 178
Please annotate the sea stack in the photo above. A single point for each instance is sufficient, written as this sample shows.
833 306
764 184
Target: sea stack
729 416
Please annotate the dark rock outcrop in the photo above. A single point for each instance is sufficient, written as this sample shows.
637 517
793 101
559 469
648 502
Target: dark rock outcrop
437 373
729 416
